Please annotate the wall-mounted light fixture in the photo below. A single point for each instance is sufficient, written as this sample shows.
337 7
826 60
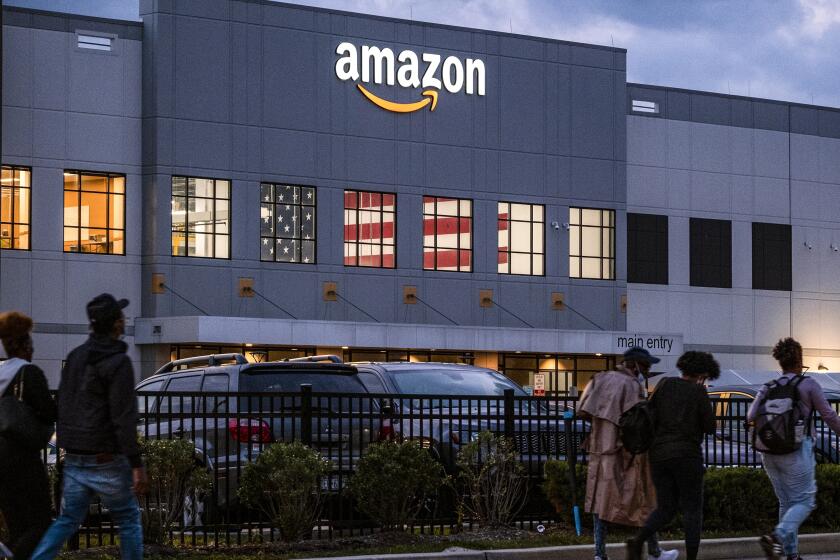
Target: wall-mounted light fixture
821 367
807 245
834 247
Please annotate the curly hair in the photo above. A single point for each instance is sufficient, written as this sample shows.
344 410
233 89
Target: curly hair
788 352
14 332
695 364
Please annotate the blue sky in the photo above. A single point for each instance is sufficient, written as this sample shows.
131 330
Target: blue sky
778 49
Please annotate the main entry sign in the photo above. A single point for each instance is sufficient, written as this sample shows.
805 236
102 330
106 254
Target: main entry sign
430 71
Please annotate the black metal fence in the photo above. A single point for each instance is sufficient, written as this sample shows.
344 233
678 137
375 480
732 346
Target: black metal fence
230 430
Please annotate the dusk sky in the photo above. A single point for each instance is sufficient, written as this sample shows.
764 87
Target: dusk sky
778 49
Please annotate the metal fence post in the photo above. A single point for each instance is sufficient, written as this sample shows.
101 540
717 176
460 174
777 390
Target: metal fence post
306 414
509 413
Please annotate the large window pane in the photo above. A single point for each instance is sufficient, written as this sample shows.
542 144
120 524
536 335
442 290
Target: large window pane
94 212
287 223
520 238
447 234
368 229
201 217
592 243
14 207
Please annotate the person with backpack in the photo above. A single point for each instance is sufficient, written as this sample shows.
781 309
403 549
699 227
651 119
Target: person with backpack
97 428
682 415
782 429
24 487
618 487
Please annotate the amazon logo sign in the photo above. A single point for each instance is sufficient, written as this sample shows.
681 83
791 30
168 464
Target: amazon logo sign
432 72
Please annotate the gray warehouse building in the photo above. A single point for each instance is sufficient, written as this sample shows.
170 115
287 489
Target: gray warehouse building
280 180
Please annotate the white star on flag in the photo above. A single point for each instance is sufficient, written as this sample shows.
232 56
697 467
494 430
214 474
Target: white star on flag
285 250
309 195
286 228
308 217
265 241
267 198
306 260
280 198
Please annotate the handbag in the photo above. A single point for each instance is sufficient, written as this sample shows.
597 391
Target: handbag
19 423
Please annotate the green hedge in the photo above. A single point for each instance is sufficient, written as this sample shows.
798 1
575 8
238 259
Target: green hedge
735 498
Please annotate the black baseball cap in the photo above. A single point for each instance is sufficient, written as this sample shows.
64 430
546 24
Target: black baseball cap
105 309
639 354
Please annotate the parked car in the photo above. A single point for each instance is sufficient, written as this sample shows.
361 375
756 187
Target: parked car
473 403
218 403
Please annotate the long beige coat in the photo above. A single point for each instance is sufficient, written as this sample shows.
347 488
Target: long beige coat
619 488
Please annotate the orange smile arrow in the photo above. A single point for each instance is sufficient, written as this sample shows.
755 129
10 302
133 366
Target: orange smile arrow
430 94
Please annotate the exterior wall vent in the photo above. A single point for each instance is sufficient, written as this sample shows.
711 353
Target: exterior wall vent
640 106
93 42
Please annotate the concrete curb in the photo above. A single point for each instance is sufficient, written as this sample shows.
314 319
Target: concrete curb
712 549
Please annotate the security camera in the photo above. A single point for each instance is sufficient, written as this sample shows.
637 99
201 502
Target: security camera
555 225
808 245
834 247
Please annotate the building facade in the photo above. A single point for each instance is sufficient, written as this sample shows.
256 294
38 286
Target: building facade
280 180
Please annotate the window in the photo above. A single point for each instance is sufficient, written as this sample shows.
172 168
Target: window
369 229
771 254
592 243
647 248
447 234
287 223
94 213
711 253
181 403
521 238
200 217
15 209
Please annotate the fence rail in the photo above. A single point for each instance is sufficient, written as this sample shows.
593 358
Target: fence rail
229 430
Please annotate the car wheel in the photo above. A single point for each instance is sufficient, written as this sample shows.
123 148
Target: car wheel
197 509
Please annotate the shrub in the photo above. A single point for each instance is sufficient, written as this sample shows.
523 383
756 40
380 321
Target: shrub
558 489
827 514
285 484
393 481
495 481
174 474
739 498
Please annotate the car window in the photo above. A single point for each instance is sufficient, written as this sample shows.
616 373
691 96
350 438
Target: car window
216 383
184 403
147 403
433 381
372 382
289 381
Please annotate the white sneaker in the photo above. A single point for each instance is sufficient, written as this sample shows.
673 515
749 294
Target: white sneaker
666 555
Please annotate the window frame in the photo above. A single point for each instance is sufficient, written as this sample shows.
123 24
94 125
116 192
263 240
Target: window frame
298 238
601 227
659 267
699 272
435 248
13 223
760 269
531 253
358 243
186 231
108 193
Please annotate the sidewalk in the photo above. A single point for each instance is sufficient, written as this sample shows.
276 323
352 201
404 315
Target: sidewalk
824 546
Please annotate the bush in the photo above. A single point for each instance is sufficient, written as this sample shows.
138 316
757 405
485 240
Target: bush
558 489
285 484
495 481
734 499
393 481
174 475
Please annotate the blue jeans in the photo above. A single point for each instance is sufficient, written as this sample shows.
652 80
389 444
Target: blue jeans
600 530
83 479
794 480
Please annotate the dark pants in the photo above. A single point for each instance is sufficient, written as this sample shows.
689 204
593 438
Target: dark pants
24 499
679 487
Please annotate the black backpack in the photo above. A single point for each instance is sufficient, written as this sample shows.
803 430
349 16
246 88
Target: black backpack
779 426
636 428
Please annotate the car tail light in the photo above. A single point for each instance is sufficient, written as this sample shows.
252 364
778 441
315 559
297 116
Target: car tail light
386 431
248 430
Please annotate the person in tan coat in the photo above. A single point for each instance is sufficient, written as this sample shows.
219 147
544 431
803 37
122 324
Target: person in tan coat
619 488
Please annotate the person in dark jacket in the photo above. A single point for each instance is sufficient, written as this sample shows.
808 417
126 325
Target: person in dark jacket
683 415
97 428
24 488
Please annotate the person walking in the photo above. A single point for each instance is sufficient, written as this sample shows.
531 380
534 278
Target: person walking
683 414
618 487
24 487
97 428
793 474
